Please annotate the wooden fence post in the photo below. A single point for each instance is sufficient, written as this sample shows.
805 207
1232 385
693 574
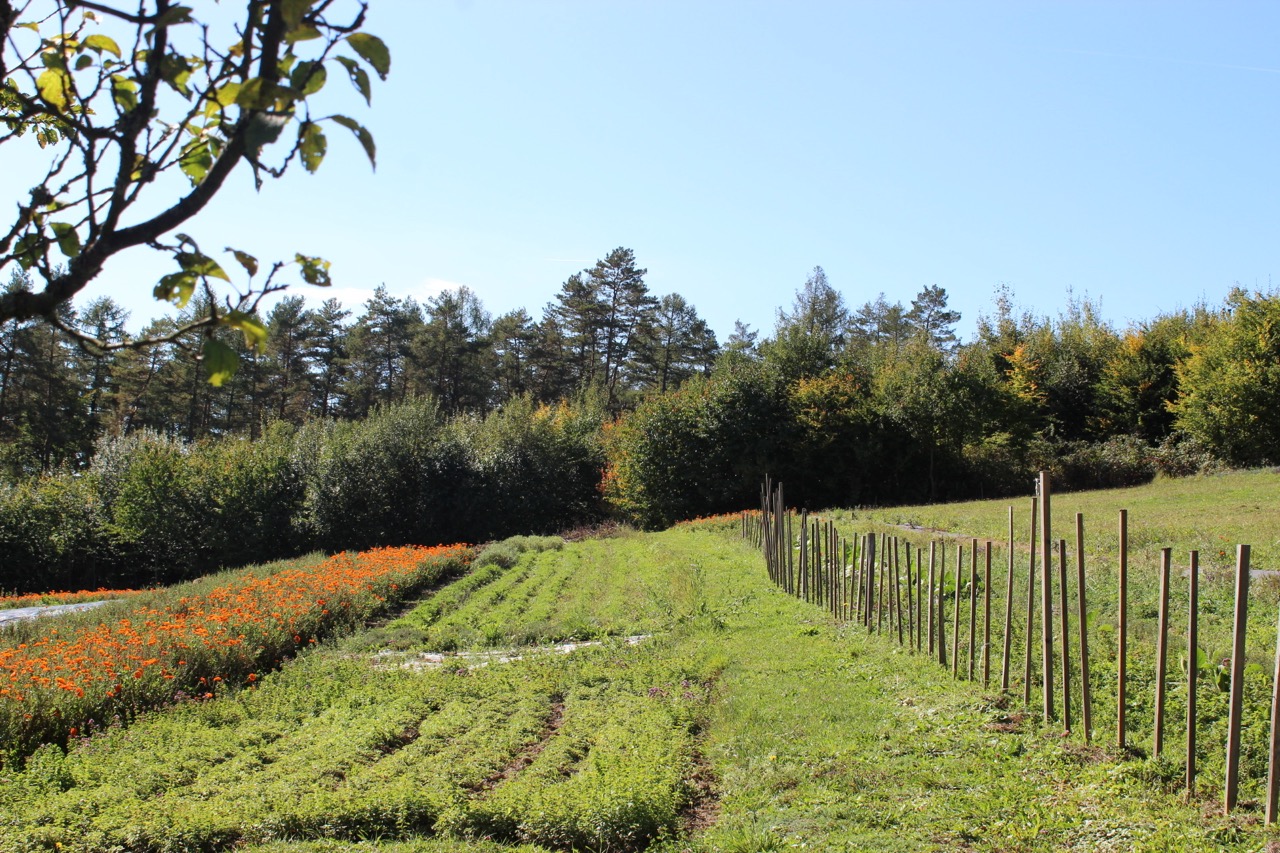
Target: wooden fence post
911 604
871 580
955 636
1162 651
1273 762
942 613
933 550
1193 668
1008 613
986 619
1066 634
884 573
1122 638
1046 595
1235 711
1031 606
919 600
973 603
1086 702
897 590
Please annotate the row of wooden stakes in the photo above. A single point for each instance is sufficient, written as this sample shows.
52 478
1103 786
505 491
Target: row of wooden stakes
873 581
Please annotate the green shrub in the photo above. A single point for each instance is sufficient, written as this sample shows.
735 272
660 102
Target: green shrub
53 536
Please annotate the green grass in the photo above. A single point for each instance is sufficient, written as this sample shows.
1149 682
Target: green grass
807 733
1210 513
588 591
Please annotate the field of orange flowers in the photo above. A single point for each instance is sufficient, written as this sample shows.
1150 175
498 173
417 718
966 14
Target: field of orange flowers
63 680
47 599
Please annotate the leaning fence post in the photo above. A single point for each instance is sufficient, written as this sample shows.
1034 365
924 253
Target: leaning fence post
1235 712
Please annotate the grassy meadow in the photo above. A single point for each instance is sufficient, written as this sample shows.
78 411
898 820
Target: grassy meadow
744 720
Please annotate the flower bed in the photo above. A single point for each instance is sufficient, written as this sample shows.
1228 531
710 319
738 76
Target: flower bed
69 681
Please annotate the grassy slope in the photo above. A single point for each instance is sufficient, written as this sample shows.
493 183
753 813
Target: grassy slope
818 735
1211 514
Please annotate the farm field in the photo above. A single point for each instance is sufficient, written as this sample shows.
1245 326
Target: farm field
745 720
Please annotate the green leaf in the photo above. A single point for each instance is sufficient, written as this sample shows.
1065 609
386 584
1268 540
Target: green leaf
201 265
28 250
312 148
84 62
293 12
195 160
176 287
68 239
373 51
255 334
248 261
250 95
308 78
263 129
98 42
125 93
227 94
175 71
54 85
359 77
303 33
220 361
314 270
365 137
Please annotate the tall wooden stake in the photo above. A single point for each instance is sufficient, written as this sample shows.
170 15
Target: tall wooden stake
955 636
1008 613
1066 632
1162 651
973 603
986 619
1031 607
942 612
1122 638
1046 595
933 551
1235 712
1193 667
1273 763
911 602
1086 701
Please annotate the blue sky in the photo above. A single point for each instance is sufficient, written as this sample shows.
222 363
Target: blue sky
1123 151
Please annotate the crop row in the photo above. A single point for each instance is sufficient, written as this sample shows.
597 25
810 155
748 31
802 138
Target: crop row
63 680
590 591
585 750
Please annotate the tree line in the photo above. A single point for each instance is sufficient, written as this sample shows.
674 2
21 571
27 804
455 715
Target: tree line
435 423
882 404
604 330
